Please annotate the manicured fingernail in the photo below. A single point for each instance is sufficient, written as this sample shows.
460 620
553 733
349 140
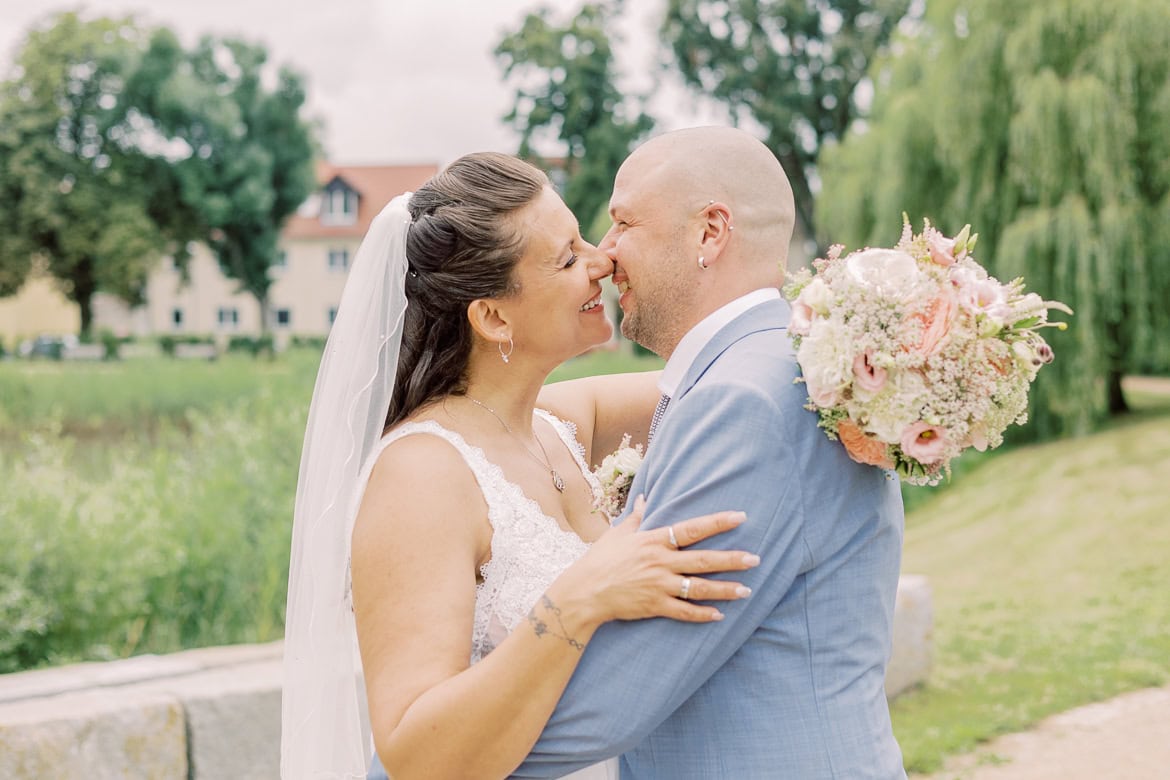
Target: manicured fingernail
743 592
738 517
751 560
717 616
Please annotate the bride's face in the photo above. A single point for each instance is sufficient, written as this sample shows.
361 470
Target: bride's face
558 312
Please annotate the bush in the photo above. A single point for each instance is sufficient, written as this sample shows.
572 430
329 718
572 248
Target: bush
111 343
308 342
167 343
178 543
253 345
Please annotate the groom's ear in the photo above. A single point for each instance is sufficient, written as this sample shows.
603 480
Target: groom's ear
488 320
717 229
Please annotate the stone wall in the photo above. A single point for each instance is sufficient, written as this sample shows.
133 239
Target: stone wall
213 714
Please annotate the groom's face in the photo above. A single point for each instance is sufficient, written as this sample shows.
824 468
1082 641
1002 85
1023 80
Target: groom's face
647 245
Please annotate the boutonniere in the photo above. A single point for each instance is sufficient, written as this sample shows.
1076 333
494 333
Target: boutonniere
615 475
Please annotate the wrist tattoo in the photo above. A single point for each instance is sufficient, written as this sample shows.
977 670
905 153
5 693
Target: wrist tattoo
541 628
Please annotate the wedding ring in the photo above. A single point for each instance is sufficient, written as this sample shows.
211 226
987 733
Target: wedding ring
684 590
671 539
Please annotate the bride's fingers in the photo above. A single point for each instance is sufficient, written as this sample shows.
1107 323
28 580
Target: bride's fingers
696 529
699 589
676 609
707 561
634 518
638 512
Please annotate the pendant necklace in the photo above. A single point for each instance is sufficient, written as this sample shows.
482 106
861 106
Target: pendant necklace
557 481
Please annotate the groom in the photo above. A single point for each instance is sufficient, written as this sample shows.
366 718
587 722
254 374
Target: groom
790 683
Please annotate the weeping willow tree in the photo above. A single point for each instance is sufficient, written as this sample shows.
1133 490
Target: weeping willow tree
1046 126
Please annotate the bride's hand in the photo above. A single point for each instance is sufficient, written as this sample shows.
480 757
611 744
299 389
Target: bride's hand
630 574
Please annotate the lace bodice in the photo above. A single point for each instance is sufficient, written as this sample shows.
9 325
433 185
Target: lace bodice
528 549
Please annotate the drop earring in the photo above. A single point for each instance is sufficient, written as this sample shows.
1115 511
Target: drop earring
506 356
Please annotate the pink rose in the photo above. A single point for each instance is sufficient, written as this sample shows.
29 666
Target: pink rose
869 377
924 443
942 249
801 321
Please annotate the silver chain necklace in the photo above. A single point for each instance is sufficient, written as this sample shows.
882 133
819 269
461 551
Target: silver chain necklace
557 481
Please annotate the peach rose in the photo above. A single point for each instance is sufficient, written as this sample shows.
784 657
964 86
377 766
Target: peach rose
936 323
924 443
862 448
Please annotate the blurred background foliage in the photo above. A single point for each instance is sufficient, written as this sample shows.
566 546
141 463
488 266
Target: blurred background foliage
1045 126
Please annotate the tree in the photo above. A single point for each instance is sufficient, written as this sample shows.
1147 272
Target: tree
72 189
1044 126
793 66
250 155
566 89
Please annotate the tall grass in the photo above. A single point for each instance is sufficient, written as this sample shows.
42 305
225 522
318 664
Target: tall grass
178 542
146 506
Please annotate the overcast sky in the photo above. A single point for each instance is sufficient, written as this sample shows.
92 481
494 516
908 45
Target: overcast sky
395 81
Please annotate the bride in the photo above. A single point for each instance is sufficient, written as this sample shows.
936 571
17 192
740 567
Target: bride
446 523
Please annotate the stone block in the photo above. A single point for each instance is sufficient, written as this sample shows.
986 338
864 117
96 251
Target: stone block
232 718
913 636
106 734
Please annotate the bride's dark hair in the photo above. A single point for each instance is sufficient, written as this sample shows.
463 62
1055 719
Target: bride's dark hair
462 245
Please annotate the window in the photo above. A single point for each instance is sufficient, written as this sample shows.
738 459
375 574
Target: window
339 205
338 259
283 317
177 319
228 318
332 315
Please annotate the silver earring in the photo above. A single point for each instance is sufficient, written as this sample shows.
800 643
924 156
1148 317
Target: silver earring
722 217
702 262
506 356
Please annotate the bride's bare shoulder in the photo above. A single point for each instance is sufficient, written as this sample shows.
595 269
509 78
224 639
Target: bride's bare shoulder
421 460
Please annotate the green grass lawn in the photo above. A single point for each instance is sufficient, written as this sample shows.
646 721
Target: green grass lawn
1051 587
124 397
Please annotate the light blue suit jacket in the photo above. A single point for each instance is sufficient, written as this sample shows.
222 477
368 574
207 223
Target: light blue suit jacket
790 683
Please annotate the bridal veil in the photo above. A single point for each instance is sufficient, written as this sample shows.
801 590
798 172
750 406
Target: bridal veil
322 734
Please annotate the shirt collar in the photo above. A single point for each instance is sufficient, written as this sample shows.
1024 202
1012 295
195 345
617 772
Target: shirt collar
697 337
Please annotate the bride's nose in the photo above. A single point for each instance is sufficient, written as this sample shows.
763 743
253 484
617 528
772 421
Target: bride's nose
600 264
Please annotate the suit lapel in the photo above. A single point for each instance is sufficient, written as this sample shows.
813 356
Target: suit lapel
769 315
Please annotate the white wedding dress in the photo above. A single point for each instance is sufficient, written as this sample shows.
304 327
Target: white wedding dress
528 549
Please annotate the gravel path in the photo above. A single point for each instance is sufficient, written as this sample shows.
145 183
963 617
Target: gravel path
1126 738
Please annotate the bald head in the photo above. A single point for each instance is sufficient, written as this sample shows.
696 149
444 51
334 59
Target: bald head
693 166
701 217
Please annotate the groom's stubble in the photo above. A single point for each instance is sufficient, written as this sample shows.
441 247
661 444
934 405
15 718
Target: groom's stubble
663 302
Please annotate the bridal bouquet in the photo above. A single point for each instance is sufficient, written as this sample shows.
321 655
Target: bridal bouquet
615 474
912 354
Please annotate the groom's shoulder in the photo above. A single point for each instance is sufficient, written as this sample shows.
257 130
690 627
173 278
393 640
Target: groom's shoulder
763 358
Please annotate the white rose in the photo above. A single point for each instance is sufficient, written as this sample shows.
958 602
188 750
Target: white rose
887 271
888 419
826 362
627 461
817 296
